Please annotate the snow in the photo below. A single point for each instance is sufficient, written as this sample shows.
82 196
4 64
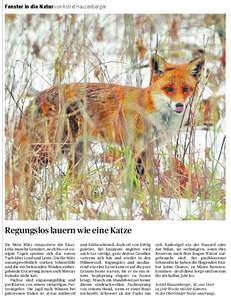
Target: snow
25 73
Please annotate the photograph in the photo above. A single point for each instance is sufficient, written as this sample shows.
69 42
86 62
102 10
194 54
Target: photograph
115 117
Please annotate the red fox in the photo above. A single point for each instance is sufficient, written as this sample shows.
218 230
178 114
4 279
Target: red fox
60 116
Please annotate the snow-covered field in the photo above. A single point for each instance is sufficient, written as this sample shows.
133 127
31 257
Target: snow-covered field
112 48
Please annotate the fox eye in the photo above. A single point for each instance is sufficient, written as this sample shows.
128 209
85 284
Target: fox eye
169 89
185 89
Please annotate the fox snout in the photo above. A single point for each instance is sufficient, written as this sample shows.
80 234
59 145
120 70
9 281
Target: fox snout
179 107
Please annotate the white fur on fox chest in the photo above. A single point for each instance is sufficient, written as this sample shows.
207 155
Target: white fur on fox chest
166 121
165 125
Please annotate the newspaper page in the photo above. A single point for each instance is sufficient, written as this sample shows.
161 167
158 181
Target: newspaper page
115 154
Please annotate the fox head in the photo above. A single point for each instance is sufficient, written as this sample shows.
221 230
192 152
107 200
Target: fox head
172 85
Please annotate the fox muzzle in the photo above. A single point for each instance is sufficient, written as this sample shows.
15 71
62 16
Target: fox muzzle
179 107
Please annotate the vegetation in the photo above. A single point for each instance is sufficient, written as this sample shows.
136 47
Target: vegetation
186 179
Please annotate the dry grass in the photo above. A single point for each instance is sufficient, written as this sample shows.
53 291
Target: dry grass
186 179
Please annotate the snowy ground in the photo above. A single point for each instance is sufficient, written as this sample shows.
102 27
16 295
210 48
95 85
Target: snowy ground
108 49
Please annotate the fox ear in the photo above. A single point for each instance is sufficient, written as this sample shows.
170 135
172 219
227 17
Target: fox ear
157 64
196 65
157 67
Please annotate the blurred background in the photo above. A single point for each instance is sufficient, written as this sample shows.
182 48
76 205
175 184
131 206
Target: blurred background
45 50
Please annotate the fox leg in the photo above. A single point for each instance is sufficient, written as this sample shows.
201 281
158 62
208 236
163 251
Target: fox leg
140 165
40 156
146 164
74 157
